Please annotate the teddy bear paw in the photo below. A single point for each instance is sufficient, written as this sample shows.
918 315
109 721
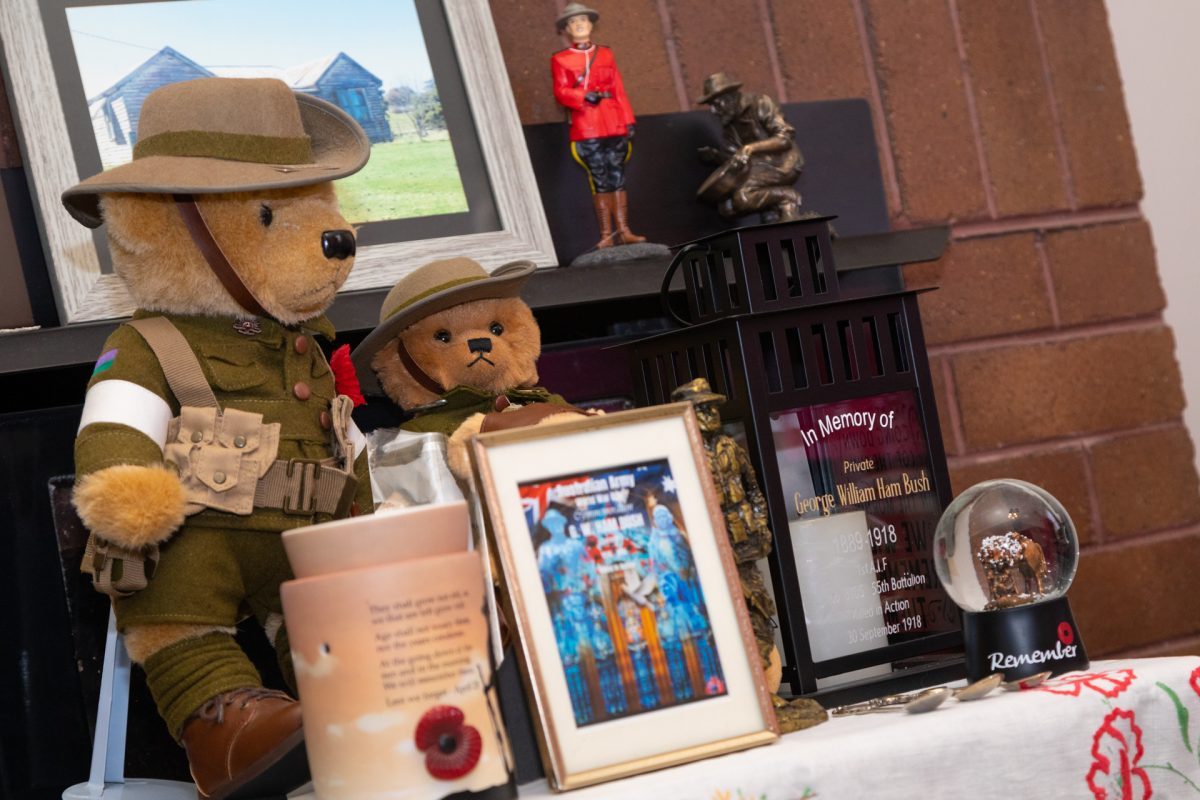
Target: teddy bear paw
131 506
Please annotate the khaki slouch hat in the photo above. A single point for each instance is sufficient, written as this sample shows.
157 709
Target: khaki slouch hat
213 135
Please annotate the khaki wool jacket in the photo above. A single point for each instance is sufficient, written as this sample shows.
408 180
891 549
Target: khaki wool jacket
256 368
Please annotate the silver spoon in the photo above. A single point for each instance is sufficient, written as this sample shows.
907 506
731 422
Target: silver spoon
927 700
914 703
978 689
1026 683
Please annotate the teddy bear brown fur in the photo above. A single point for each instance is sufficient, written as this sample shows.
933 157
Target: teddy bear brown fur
277 261
437 343
457 348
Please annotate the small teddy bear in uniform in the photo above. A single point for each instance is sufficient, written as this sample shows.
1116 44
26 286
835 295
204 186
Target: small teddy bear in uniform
211 421
457 348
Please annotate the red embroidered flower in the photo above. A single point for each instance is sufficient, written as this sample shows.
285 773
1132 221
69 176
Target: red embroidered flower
1194 681
1109 684
345 379
451 748
1116 750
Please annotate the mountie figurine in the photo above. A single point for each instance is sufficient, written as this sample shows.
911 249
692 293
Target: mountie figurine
745 510
758 161
588 84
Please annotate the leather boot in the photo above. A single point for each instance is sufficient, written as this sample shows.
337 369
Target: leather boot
246 743
602 202
627 236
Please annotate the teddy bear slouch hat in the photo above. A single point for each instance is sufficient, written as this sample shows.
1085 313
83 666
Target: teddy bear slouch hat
214 135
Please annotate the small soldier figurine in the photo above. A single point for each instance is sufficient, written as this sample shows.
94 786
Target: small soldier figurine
588 84
745 511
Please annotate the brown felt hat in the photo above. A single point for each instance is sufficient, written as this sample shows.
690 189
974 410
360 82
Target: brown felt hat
716 85
228 135
574 10
429 289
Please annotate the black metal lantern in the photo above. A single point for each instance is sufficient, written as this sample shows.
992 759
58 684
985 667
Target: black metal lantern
831 392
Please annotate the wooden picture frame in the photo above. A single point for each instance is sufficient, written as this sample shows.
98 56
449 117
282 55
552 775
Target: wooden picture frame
621 583
86 291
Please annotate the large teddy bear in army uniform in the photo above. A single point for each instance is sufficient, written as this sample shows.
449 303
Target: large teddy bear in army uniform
211 421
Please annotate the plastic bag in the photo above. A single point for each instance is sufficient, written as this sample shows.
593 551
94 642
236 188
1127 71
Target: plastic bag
410 469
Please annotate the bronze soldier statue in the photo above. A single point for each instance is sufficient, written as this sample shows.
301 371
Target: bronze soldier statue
758 160
745 511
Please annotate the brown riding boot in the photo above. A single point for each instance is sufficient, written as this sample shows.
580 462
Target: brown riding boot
602 202
627 236
246 743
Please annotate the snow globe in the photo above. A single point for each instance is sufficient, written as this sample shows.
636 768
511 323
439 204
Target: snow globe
1006 552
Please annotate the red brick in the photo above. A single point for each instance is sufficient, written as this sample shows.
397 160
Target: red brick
1013 105
1031 393
1059 472
987 287
1104 272
10 153
527 37
920 78
633 29
820 49
945 406
714 37
1146 482
1087 85
1138 594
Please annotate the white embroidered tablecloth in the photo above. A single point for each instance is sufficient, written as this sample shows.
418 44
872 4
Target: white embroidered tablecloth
1123 729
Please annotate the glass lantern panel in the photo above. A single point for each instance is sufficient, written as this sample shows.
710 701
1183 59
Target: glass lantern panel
862 510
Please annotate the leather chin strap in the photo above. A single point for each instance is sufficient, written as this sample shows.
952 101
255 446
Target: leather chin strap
419 375
216 258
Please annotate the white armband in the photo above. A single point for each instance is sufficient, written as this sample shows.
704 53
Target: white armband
126 403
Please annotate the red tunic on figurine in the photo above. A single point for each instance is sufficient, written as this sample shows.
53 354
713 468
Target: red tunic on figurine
579 71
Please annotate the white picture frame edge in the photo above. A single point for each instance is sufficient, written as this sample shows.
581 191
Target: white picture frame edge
84 294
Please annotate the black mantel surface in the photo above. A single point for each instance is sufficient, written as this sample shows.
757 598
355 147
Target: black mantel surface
45 719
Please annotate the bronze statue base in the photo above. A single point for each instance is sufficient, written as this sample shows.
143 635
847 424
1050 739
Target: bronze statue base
798 714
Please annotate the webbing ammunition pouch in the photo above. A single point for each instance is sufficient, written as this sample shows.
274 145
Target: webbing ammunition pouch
115 571
220 456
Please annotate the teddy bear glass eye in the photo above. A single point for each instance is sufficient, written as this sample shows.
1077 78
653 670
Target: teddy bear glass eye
442 336
266 215
496 329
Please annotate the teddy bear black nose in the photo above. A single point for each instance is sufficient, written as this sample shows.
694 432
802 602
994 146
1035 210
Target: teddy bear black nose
337 244
479 345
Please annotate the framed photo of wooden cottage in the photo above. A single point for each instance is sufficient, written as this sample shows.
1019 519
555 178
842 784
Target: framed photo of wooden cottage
621 584
448 173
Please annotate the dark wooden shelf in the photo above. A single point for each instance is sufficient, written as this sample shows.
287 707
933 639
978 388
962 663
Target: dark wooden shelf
354 313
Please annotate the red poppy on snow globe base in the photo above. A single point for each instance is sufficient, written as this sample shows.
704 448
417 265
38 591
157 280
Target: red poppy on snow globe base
451 748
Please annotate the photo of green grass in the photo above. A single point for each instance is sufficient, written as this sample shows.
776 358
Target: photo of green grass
407 177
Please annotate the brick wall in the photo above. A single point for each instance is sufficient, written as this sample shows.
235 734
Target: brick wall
1006 119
